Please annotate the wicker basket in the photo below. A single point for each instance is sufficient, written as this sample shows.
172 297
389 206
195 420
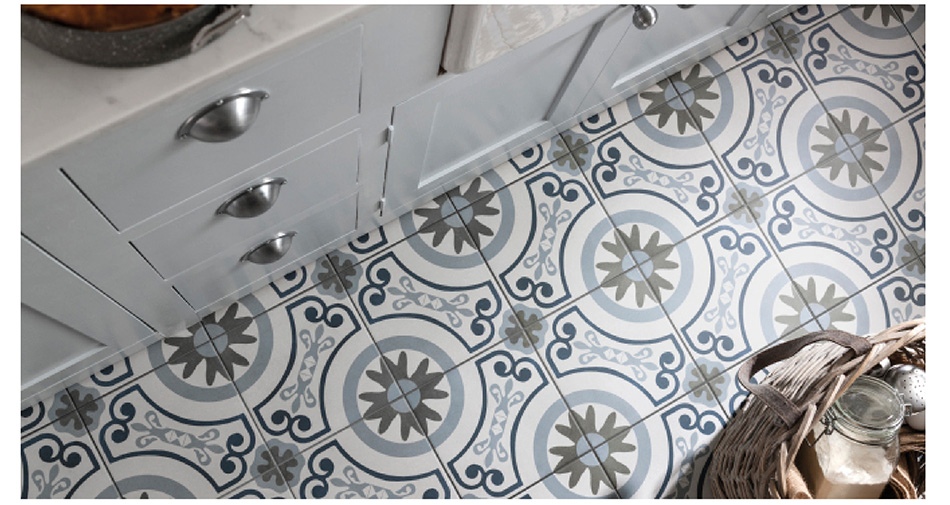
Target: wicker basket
755 456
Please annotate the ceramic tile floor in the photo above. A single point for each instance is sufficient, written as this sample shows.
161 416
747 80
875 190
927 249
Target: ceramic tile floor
566 325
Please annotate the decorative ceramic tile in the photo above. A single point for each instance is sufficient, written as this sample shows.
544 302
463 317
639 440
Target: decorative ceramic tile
494 426
730 391
270 485
883 22
377 458
430 296
43 412
180 431
895 159
904 293
598 124
834 208
612 332
692 429
764 40
758 116
728 295
850 66
554 487
60 461
544 243
915 22
301 366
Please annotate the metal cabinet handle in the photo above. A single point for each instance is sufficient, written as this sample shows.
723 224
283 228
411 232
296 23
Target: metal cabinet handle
644 16
270 250
224 119
254 200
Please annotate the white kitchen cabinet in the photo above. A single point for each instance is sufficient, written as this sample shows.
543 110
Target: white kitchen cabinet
469 122
57 338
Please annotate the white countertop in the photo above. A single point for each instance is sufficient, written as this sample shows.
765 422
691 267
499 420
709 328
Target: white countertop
62 102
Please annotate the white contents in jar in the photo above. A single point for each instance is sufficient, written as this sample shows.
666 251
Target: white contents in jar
845 462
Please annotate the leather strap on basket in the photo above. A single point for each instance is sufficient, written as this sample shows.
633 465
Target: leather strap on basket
787 411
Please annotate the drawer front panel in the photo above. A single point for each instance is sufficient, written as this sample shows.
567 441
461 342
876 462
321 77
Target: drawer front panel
224 274
139 168
318 176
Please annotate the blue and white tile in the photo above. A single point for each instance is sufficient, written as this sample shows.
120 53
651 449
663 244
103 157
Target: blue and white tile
387 457
44 412
766 41
544 243
274 468
729 296
894 299
849 66
553 487
302 365
492 424
430 301
631 168
692 427
61 462
269 486
915 21
883 22
616 332
756 115
179 431
895 158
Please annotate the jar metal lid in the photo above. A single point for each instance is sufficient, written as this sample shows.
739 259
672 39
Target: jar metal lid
870 410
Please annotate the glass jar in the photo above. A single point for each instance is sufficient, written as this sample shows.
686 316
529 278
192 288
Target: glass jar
852 452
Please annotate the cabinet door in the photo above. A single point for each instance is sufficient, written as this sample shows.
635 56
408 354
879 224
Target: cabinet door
67 326
471 121
623 59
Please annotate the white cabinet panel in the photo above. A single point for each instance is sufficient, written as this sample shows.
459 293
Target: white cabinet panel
469 121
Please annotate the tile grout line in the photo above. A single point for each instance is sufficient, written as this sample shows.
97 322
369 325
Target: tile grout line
95 445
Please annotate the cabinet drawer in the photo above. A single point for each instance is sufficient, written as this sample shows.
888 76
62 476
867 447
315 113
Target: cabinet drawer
316 229
141 167
318 176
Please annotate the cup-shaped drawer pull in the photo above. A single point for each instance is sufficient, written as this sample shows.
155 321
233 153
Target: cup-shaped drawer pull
224 119
254 200
644 16
270 250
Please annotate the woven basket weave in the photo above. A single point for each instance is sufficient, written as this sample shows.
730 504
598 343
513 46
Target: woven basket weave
756 453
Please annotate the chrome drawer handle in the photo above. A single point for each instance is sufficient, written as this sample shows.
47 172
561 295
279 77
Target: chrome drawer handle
254 200
225 119
270 250
644 16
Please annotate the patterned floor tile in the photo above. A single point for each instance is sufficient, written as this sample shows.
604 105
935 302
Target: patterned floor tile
851 67
730 296
60 461
757 115
555 487
301 366
43 412
895 161
428 305
493 422
180 431
915 23
766 40
544 242
643 458
378 458
895 299
268 486
632 172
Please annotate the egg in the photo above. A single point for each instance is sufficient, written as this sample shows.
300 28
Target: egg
911 383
